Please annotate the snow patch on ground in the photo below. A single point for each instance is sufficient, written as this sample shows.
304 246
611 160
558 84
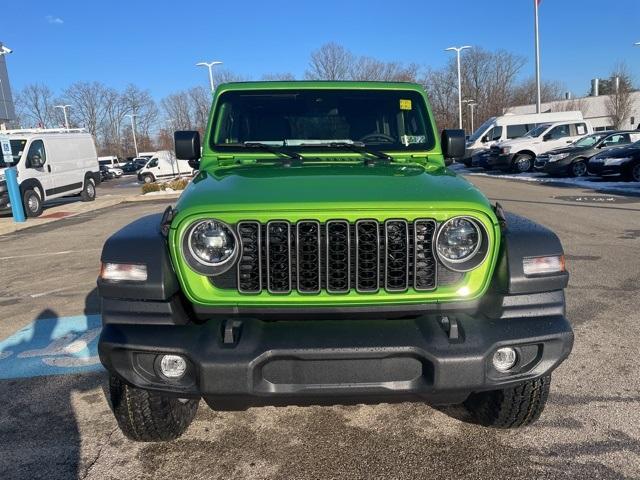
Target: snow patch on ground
591 183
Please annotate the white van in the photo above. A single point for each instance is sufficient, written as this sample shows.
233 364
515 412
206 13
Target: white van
163 164
110 161
519 154
51 163
510 126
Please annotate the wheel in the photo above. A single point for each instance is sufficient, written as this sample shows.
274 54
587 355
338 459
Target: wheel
148 178
146 416
32 203
522 163
634 174
89 191
578 168
512 407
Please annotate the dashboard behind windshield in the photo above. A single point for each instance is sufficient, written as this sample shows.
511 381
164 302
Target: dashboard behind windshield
386 119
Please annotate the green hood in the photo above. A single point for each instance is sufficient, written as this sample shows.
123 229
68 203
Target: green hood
323 187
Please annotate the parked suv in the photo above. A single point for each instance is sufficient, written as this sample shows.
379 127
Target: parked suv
507 127
51 163
572 160
519 154
324 253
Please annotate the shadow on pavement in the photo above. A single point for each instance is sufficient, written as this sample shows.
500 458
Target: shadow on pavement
39 431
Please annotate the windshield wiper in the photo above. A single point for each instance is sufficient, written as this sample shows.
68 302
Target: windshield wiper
357 147
271 149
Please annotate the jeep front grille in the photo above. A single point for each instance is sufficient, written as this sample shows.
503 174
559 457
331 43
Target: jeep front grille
336 256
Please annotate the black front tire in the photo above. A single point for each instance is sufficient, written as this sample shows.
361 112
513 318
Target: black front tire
578 168
512 407
146 416
148 178
522 163
32 203
89 191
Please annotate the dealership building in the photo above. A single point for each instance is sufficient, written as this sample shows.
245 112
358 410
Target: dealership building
7 109
594 108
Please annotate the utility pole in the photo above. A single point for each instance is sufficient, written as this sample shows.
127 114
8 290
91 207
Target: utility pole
458 50
66 119
133 130
4 51
536 4
210 66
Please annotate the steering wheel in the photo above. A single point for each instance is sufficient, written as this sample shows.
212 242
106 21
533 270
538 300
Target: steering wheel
378 136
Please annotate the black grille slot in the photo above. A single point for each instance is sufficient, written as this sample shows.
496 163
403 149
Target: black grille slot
308 256
424 262
250 263
338 256
367 256
279 257
396 258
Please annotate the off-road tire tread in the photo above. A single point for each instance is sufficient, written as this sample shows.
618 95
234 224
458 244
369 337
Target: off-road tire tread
146 416
512 407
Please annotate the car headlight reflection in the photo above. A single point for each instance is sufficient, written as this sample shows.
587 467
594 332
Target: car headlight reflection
462 243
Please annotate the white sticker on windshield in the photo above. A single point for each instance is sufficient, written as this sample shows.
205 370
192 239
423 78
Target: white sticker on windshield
411 139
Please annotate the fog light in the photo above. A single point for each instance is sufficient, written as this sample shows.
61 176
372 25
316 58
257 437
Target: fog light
504 359
173 366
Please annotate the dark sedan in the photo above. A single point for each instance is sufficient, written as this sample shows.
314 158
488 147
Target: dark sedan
623 161
572 160
134 165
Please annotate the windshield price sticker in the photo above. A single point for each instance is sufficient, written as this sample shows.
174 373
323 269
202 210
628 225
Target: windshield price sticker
5 145
405 104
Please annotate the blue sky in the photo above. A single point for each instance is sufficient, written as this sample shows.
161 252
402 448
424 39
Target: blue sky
156 44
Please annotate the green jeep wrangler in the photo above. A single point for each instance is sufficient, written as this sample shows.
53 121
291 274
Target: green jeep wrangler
325 254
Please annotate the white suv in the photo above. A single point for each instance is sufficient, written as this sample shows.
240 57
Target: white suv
519 154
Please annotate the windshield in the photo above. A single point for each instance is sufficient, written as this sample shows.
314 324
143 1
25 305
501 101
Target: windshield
539 130
588 141
17 147
481 130
390 120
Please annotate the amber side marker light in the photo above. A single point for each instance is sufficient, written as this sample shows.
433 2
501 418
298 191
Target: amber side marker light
123 272
543 265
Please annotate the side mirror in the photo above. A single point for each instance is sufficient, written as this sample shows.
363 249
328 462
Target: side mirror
188 147
453 145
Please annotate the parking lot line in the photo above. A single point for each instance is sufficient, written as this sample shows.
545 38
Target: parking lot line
52 346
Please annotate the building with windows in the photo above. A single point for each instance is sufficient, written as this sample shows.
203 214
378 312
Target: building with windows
7 108
595 108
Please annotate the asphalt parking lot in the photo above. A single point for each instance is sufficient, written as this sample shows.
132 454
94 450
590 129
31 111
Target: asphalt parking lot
55 421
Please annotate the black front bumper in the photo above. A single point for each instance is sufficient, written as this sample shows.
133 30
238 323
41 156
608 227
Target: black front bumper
336 361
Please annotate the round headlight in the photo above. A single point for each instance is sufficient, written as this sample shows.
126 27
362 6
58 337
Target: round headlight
210 246
461 243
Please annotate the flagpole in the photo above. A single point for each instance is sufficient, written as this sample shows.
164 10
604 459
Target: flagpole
535 8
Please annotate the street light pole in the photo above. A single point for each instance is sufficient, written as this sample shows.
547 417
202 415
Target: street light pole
4 51
471 104
66 119
133 130
458 50
210 66
537 41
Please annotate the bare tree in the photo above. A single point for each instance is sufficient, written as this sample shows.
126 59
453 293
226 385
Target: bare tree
200 99
278 76
330 62
34 104
441 86
619 103
141 103
525 93
88 100
177 108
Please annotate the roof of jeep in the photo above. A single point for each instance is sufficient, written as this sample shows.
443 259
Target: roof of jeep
318 84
